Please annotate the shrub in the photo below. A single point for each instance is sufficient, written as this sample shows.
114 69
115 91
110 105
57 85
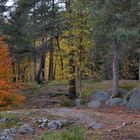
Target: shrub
9 96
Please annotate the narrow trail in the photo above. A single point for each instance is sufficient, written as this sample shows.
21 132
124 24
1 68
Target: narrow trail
108 117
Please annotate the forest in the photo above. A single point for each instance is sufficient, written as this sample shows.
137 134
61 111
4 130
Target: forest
69 66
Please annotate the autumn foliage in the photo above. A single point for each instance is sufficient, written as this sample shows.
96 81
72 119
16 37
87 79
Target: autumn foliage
9 96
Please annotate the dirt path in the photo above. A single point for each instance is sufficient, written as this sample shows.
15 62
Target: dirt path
37 105
109 118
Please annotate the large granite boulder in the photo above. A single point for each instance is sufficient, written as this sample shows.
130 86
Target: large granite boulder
94 104
97 98
132 99
100 96
122 91
113 102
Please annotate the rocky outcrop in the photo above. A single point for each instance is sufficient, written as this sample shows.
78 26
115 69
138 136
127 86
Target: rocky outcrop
132 99
97 98
113 102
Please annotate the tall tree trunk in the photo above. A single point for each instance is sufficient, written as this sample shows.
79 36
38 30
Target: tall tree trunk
42 65
18 71
34 63
115 69
61 57
139 68
72 82
81 58
43 69
34 68
50 75
44 47
55 66
14 72
106 69
31 76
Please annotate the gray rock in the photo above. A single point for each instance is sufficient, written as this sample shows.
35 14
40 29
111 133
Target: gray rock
94 104
100 96
96 125
11 131
132 99
34 120
3 120
5 136
78 102
26 129
43 120
112 102
122 91
8 134
55 125
43 125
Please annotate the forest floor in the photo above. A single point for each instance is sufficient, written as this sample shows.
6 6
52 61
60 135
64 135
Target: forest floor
49 101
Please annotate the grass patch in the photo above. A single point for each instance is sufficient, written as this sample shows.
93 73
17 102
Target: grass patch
127 86
32 86
71 133
9 121
57 83
93 135
67 103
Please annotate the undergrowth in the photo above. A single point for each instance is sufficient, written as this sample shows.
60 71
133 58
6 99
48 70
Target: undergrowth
71 133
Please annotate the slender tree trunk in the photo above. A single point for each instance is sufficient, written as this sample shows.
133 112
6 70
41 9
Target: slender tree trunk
139 68
81 58
43 69
31 76
42 65
42 62
105 65
51 63
61 58
18 72
34 63
55 66
72 82
44 48
115 69
34 68
14 72
50 75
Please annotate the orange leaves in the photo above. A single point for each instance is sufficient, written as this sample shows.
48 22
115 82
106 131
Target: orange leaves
9 96
9 99
5 61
